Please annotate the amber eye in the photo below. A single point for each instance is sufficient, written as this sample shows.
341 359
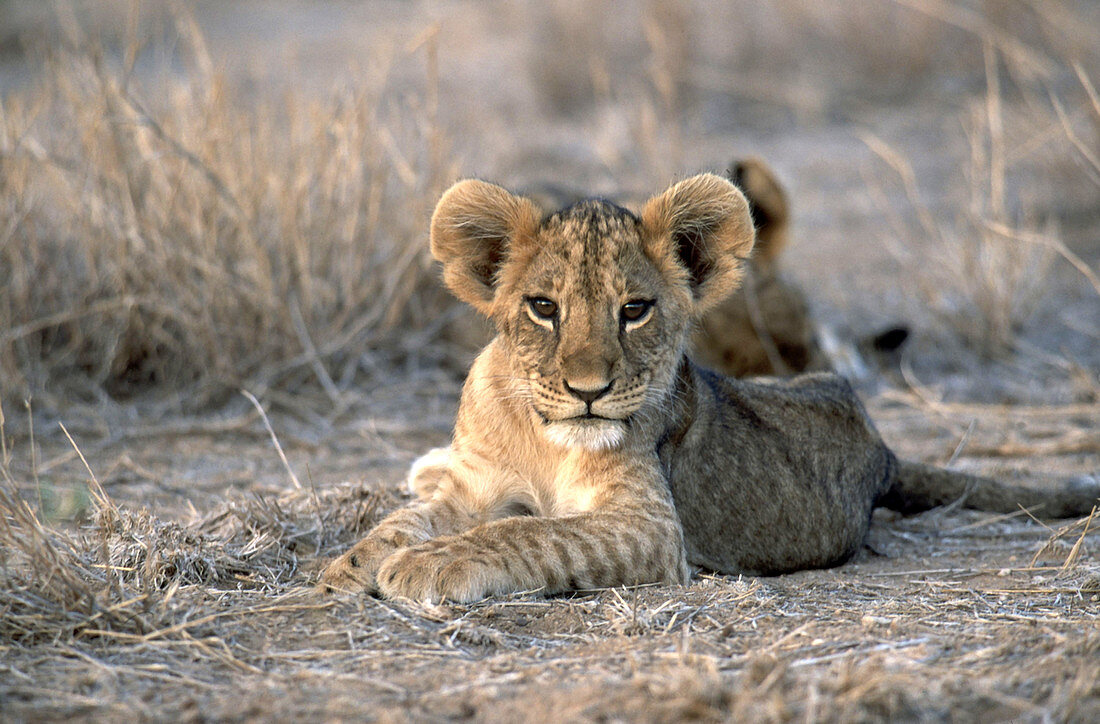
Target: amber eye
636 309
543 307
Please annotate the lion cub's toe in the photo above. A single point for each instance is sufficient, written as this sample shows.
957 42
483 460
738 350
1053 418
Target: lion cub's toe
347 574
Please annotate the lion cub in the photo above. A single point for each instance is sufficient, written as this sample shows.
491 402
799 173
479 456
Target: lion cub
589 451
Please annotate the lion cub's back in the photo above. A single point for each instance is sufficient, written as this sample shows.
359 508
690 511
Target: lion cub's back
777 476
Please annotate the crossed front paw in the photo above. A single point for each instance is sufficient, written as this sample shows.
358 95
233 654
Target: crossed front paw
436 571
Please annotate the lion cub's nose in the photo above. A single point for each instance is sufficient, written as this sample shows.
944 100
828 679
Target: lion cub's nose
588 395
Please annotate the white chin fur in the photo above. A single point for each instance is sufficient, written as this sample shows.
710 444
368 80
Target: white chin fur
587 434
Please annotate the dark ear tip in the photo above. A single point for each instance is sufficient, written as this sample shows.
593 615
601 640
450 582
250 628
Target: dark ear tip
891 339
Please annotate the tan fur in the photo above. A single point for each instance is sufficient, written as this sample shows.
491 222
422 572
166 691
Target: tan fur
589 451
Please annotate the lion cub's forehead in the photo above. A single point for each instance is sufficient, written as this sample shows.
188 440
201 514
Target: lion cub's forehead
594 245
596 221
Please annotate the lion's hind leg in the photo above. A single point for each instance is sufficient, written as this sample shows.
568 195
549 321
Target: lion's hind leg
427 471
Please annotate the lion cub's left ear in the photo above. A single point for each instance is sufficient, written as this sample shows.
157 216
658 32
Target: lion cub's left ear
704 224
477 226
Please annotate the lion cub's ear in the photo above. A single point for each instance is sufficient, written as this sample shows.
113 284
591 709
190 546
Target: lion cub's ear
704 224
475 228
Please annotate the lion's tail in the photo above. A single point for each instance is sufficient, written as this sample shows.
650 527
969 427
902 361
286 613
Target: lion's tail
920 487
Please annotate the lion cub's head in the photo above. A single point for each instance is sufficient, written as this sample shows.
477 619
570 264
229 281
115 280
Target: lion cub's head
592 303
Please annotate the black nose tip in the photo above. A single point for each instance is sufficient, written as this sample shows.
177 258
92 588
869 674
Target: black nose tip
589 396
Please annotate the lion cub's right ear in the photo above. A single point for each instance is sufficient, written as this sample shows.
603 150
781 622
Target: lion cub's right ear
476 228
702 222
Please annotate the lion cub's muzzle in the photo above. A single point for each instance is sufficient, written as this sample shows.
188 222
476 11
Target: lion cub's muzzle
591 417
562 401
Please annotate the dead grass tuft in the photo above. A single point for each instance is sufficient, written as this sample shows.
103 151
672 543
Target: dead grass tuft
105 580
50 589
254 542
195 236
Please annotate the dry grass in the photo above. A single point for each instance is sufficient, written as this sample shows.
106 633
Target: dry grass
119 576
992 264
196 237
135 616
175 232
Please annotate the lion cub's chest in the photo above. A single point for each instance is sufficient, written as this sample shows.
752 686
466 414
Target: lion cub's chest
564 484
574 490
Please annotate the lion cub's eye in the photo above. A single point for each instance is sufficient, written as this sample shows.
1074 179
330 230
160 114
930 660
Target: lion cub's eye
636 309
543 307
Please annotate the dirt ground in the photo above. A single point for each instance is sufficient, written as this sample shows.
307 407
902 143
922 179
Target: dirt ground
194 546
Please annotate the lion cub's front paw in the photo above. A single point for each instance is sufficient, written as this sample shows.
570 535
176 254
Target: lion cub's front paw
354 572
435 571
